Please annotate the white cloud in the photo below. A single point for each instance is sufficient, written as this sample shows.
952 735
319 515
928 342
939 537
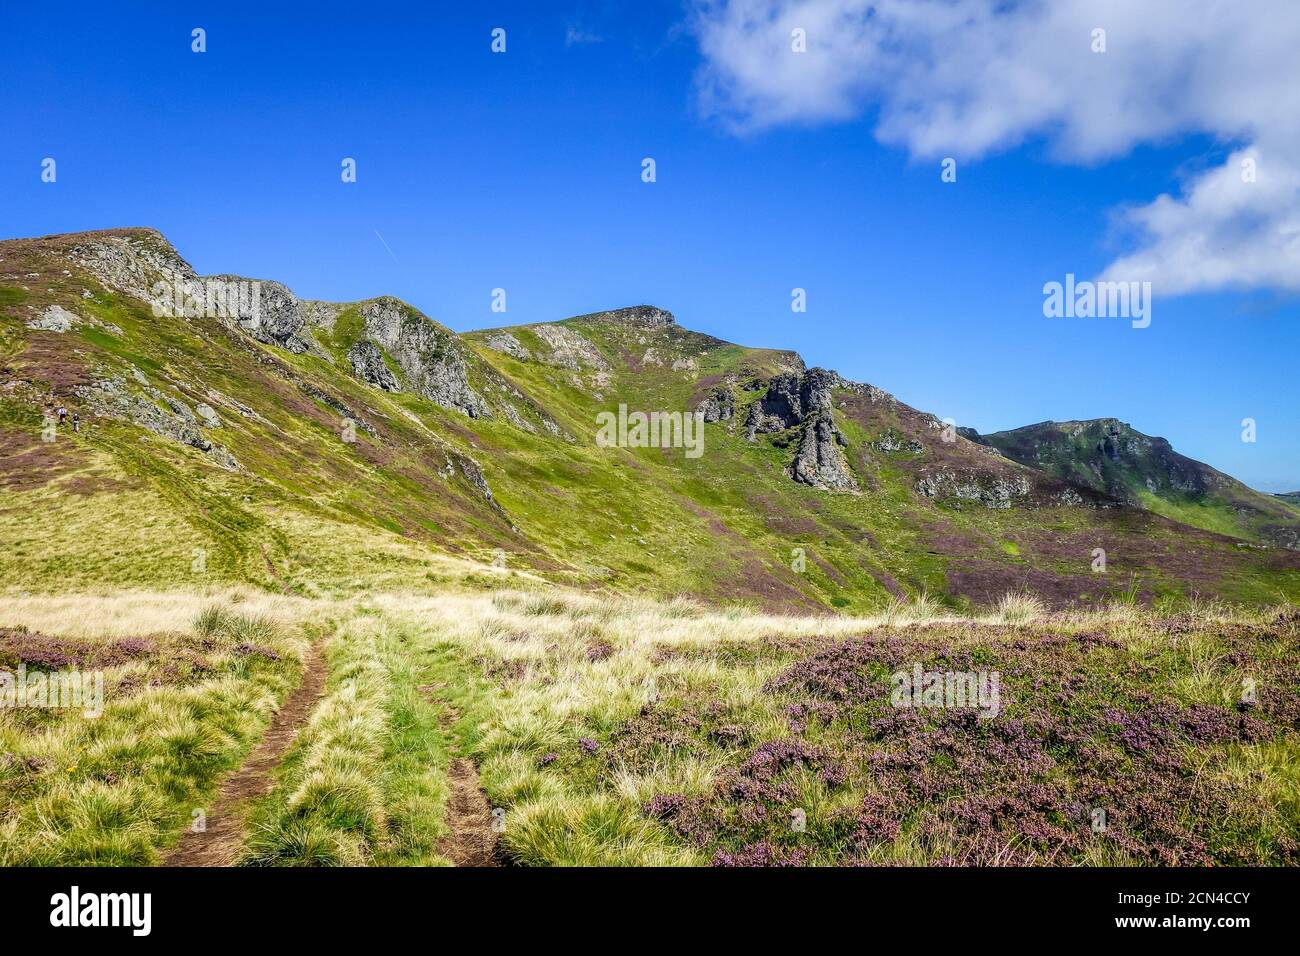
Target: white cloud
968 77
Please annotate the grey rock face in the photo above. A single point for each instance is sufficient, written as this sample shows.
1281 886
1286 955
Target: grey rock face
569 349
643 316
720 406
815 389
54 319
368 365
820 462
279 321
208 415
891 442
779 409
132 264
178 407
795 399
431 358
991 491
145 266
113 398
791 397
474 475
509 345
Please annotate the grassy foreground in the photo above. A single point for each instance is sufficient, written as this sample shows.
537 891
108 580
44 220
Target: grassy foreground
623 731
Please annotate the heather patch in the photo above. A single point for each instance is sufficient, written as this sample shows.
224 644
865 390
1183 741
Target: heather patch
1107 750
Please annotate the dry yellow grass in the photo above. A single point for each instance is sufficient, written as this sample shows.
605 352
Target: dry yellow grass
135 613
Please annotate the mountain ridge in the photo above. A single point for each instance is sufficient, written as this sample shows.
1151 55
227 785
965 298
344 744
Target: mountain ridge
290 444
1111 456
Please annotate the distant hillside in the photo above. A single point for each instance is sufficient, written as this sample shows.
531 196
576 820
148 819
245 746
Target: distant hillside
294 446
1114 458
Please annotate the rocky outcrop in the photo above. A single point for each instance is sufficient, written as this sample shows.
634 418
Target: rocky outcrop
113 398
222 399
803 400
208 415
891 442
474 475
131 261
640 316
143 265
820 462
777 410
337 405
368 364
55 318
991 491
569 349
273 316
719 406
507 344
791 398
433 361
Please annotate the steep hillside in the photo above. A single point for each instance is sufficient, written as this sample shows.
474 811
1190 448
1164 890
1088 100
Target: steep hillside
1116 459
294 443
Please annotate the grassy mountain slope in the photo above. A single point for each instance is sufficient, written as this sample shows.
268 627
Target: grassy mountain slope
1112 457
326 443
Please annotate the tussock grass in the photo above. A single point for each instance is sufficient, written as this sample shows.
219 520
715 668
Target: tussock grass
211 621
365 783
136 613
924 608
1019 608
79 789
113 790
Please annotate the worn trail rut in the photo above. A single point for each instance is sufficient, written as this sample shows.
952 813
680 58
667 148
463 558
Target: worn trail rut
220 843
471 841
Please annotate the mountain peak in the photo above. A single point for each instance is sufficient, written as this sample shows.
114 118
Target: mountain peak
641 316
1112 457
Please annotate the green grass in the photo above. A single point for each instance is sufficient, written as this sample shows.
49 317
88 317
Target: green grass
114 790
366 782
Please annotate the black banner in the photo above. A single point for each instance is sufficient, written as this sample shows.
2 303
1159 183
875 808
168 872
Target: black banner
215 905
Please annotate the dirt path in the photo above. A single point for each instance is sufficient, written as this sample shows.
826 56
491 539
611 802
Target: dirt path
220 843
471 841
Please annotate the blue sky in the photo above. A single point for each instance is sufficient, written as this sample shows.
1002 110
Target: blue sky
522 171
